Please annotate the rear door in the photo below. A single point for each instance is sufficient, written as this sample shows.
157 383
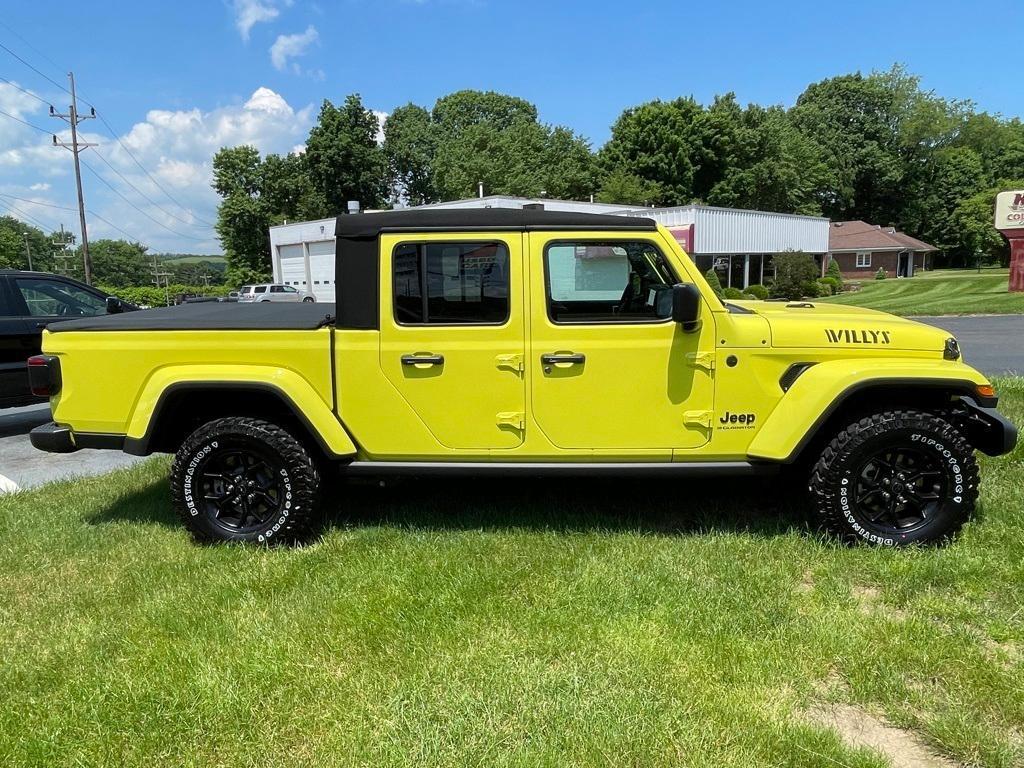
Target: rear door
452 334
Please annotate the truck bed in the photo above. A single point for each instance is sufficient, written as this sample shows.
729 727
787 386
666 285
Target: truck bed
208 316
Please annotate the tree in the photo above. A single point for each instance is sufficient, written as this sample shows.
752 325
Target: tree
344 160
12 245
243 217
973 219
795 275
119 263
410 143
626 188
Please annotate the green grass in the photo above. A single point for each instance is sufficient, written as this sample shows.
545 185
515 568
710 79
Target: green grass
944 292
556 623
195 259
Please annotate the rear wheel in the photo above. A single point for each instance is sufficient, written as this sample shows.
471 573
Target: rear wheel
308 300
895 478
243 479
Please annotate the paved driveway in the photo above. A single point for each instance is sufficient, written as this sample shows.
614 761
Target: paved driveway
993 344
25 467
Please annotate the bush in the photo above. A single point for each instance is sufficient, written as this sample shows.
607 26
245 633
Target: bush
880 274
795 275
836 286
151 296
833 273
758 291
716 285
825 286
733 293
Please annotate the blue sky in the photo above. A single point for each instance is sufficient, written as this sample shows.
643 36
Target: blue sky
176 80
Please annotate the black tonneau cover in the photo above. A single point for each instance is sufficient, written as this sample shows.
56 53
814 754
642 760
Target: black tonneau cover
208 316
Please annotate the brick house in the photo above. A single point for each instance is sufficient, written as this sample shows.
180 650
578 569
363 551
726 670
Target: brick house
861 249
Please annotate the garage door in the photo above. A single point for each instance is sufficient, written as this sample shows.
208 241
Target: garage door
293 269
321 268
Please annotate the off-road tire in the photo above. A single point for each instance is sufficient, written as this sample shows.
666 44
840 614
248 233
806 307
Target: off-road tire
852 480
280 462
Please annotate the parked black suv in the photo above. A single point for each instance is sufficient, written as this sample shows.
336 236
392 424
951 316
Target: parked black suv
28 301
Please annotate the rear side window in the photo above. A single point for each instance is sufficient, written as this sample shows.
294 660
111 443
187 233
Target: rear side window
613 282
54 298
260 289
451 283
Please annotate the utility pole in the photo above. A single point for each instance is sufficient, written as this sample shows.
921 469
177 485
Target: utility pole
157 274
28 252
61 251
73 119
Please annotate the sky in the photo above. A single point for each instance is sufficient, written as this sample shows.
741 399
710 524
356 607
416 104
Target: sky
173 82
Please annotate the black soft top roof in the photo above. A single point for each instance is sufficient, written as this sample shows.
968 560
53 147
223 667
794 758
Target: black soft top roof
208 316
371 225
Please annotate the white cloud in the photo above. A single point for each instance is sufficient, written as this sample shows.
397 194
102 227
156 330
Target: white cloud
382 117
290 46
175 146
249 13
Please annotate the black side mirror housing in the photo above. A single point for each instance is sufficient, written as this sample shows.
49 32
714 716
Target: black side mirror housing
686 300
114 305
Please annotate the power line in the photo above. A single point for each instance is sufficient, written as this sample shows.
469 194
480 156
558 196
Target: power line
111 224
142 194
29 45
37 71
18 212
36 202
24 122
150 176
155 220
26 92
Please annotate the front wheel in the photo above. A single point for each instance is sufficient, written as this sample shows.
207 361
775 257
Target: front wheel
896 478
247 480
308 300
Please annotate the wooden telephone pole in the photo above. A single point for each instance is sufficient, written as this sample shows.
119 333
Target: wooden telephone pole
72 118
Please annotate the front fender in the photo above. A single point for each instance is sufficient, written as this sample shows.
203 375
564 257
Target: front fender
823 387
308 406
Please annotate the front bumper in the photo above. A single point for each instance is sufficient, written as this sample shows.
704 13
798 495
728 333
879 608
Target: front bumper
59 438
988 430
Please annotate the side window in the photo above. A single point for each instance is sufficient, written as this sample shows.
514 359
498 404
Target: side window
612 282
50 298
260 289
289 289
451 283
277 289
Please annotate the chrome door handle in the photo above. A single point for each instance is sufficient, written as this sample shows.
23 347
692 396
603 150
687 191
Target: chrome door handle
423 358
574 358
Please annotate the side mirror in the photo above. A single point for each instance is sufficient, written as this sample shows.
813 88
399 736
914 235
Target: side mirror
686 300
114 305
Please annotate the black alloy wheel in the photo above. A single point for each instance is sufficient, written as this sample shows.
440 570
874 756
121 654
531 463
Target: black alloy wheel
898 488
248 480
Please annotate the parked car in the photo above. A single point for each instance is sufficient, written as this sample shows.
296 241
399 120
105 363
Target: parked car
523 342
28 302
252 294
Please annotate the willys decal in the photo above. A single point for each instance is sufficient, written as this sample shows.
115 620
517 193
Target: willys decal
856 336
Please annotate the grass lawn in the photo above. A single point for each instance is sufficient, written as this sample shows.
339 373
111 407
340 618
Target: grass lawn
556 623
943 292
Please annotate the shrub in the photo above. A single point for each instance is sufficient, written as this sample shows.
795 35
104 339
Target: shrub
716 285
825 286
795 275
833 273
733 293
880 274
151 296
835 285
758 291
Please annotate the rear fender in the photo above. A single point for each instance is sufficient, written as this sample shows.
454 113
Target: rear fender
294 391
823 388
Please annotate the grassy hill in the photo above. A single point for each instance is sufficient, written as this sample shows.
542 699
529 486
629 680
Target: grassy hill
944 292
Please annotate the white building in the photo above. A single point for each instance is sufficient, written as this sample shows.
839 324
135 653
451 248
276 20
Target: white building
739 244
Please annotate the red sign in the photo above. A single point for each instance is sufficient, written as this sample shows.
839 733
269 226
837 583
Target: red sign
683 236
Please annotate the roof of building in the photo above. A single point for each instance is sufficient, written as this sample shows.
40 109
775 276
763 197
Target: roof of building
371 225
861 236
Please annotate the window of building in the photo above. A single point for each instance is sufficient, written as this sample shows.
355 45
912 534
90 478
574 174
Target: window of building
864 259
451 283
613 282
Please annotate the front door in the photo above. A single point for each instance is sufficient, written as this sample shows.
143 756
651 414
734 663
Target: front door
452 335
609 369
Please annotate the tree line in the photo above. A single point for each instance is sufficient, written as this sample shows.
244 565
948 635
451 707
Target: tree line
875 147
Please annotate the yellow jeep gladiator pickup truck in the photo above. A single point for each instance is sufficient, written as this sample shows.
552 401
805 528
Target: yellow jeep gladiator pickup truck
524 341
